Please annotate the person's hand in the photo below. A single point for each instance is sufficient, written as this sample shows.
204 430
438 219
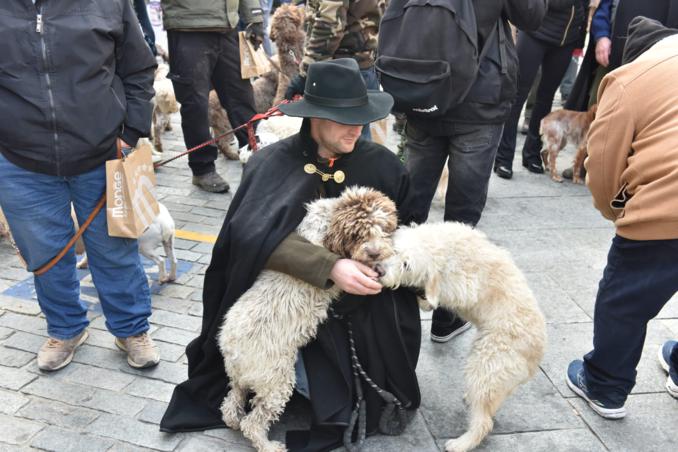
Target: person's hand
603 50
355 278
296 86
255 34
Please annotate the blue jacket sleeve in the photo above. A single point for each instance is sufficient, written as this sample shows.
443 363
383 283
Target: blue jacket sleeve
601 24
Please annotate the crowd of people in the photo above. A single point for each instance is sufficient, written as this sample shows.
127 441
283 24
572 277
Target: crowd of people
73 91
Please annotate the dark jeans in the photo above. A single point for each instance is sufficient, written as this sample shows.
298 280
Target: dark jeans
145 22
198 62
639 279
470 149
553 60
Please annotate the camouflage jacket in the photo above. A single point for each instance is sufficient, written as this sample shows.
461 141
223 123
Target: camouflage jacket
341 29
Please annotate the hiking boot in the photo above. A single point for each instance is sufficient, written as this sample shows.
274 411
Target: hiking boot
445 326
141 350
211 182
57 353
576 381
665 361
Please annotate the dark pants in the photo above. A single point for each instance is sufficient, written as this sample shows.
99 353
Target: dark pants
553 60
639 279
470 149
198 62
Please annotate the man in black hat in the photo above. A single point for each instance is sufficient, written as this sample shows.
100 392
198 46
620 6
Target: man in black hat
258 233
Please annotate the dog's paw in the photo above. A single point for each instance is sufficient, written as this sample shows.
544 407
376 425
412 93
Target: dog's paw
557 179
274 446
83 264
455 445
167 279
577 180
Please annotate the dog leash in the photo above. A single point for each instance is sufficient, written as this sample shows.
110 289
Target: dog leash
273 111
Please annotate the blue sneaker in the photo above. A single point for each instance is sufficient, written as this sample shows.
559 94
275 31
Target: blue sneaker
664 360
576 381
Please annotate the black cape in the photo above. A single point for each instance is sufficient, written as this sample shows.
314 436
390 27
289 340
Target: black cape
665 11
267 206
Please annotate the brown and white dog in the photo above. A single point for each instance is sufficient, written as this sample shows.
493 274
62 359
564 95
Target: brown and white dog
164 104
557 129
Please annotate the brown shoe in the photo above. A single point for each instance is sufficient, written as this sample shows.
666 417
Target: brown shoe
141 350
211 182
56 353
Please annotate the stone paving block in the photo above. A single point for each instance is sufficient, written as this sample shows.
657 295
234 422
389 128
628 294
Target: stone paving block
10 402
102 339
415 437
16 274
204 443
188 201
672 325
96 377
100 357
203 248
25 341
535 405
180 292
670 310
29 324
153 412
17 431
174 335
151 389
208 212
649 426
174 373
183 322
175 207
133 431
232 436
170 304
186 255
170 352
181 244
61 440
5 332
114 403
15 379
10 357
576 440
196 310
571 341
59 414
555 303
70 393
12 304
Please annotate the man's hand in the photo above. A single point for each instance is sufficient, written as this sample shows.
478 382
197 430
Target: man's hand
255 34
603 50
355 278
296 86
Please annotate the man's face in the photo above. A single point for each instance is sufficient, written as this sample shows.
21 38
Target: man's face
334 139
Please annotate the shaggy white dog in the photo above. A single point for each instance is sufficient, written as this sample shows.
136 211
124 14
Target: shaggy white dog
461 270
279 314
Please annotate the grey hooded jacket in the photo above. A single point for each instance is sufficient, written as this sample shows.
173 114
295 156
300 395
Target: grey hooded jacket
74 76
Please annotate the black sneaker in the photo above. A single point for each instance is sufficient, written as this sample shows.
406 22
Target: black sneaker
576 381
503 171
446 325
533 167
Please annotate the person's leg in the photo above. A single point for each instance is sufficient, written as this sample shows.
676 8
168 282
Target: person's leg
38 211
568 79
114 262
554 65
472 150
145 22
235 93
531 99
192 60
266 6
530 52
372 83
638 281
424 158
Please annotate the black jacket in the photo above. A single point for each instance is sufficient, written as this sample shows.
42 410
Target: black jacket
267 207
489 100
564 23
73 78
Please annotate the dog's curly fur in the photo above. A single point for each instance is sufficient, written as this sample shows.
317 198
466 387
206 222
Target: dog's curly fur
461 270
279 314
559 127
4 228
164 104
220 124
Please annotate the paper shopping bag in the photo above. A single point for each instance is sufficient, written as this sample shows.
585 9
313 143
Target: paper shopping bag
253 63
131 204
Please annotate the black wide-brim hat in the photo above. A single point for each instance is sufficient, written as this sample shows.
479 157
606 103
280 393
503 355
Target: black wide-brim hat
335 90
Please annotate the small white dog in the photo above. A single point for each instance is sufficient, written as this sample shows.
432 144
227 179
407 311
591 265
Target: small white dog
461 270
160 232
279 314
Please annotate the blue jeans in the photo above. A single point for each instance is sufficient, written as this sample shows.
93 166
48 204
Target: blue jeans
372 83
38 210
266 6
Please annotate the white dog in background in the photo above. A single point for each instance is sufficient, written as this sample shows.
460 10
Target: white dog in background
460 270
160 232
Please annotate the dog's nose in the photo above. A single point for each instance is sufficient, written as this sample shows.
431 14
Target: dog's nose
372 253
380 270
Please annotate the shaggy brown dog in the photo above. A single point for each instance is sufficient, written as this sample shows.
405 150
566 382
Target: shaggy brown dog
279 314
287 31
220 124
559 127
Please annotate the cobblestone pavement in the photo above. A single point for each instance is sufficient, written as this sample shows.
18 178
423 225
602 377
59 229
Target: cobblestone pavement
99 403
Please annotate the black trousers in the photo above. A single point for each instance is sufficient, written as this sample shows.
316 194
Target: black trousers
553 61
200 61
639 279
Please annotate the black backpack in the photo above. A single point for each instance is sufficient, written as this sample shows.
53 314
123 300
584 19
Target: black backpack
428 56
